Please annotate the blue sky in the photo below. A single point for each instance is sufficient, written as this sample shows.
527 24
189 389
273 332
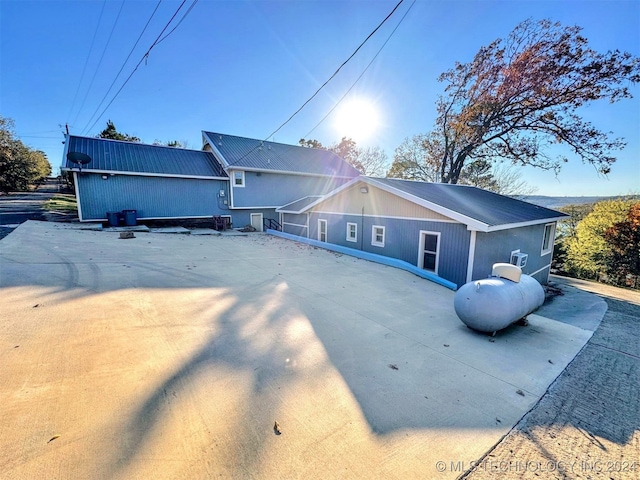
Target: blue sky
243 68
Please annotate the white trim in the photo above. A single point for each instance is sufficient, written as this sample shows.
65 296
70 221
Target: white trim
539 270
326 230
421 250
232 178
280 208
552 234
344 214
251 215
374 242
294 224
143 174
215 151
472 255
284 172
64 153
78 202
523 224
256 207
352 239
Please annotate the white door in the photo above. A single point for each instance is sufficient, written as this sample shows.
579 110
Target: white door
322 230
256 221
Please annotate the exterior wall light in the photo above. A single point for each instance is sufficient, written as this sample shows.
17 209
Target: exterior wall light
105 177
364 190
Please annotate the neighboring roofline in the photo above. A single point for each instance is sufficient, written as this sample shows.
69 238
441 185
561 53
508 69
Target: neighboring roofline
141 174
471 223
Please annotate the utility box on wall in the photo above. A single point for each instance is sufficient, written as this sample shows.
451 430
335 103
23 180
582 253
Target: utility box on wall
519 259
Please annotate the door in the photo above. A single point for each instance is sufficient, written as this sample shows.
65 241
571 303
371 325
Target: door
322 230
256 221
429 252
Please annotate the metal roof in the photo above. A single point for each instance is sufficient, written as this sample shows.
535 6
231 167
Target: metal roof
299 205
138 158
252 154
477 208
486 207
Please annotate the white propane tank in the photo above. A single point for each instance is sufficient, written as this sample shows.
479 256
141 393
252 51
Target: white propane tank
494 303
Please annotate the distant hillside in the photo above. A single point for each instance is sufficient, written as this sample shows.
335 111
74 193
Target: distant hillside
559 202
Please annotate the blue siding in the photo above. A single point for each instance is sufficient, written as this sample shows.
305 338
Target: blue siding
496 247
402 239
291 223
152 197
275 189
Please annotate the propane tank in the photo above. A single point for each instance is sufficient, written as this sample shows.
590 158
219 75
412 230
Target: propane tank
494 303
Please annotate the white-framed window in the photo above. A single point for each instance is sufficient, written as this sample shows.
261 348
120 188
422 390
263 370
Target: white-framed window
322 230
238 178
547 238
429 253
377 236
352 232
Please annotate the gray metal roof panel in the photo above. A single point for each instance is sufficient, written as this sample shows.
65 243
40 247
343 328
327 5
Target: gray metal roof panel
486 207
257 154
118 156
298 205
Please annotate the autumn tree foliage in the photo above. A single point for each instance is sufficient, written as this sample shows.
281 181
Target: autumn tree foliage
20 166
371 161
521 94
623 239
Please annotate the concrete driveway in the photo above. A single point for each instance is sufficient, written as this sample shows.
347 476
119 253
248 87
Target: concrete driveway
171 356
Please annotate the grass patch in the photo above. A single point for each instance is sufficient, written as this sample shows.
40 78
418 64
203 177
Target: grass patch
62 203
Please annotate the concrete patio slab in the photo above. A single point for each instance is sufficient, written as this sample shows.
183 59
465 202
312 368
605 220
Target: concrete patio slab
170 230
204 231
171 356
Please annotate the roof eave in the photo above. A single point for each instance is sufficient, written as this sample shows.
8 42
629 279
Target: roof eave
142 174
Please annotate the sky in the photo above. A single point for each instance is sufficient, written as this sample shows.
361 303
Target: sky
243 68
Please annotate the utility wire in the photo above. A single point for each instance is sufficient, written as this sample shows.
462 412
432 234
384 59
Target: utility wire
336 72
322 86
100 61
363 72
144 57
125 62
75 97
179 21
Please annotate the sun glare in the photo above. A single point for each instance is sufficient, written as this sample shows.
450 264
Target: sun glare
357 119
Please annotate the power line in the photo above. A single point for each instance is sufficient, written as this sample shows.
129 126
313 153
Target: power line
336 72
73 104
179 21
363 72
144 57
125 62
324 84
100 61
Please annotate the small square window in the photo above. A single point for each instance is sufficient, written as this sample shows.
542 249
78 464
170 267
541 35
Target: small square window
352 232
547 239
238 178
377 236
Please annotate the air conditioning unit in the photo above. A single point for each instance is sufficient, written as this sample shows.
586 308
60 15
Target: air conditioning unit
519 259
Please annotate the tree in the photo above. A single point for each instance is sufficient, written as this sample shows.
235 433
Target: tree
588 252
171 143
20 165
370 161
521 94
417 158
623 240
111 133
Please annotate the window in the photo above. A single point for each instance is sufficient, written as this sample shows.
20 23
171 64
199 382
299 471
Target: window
322 230
547 239
352 232
429 251
377 236
238 178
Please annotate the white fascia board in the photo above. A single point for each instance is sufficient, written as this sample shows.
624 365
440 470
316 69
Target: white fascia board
284 210
78 200
342 187
144 174
508 226
260 207
215 150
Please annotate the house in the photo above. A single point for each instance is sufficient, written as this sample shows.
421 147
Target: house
457 232
239 178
